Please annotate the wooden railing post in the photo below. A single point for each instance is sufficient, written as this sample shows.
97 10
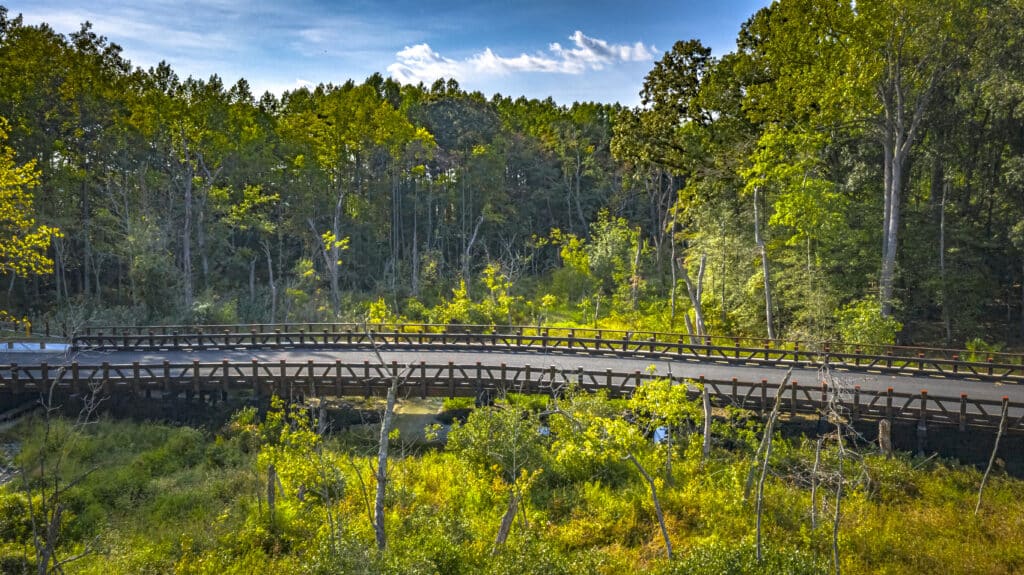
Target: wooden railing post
224 382
167 377
282 380
423 379
962 420
195 381
855 414
888 404
337 378
255 381
135 379
76 383
366 378
451 379
922 424
792 399
764 398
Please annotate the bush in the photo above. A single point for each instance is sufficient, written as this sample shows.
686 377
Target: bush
729 559
861 321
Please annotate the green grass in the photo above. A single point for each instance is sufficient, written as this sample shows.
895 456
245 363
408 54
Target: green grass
152 498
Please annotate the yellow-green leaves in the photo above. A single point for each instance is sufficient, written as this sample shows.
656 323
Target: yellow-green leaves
23 243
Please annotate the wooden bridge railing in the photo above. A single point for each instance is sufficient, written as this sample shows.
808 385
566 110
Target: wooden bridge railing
310 379
710 340
583 341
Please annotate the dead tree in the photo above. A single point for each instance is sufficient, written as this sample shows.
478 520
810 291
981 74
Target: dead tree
45 517
766 439
696 292
995 448
397 379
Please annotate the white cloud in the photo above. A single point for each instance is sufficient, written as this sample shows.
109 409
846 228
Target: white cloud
420 63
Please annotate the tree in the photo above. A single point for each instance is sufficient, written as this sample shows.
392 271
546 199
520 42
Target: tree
505 443
23 242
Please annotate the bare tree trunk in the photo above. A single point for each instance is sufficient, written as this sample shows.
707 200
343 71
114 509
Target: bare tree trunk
506 521
672 267
415 287
186 231
706 400
270 281
839 504
892 231
382 464
814 484
271 493
468 249
252 280
634 288
946 321
696 293
759 504
657 503
769 320
885 437
769 429
992 458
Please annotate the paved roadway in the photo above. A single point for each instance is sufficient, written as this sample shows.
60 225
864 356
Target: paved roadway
936 386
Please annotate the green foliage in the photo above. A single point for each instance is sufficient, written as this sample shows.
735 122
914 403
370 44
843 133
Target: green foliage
166 499
721 558
862 322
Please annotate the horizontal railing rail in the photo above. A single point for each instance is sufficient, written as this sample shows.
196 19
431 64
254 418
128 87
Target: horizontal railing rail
338 378
717 340
582 341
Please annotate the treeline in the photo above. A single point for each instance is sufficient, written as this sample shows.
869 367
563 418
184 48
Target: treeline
849 169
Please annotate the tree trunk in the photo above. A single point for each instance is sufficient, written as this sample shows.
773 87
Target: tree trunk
769 320
271 282
252 280
992 458
706 401
760 497
382 463
634 288
769 429
696 293
891 234
657 504
814 484
186 231
507 520
946 321
672 266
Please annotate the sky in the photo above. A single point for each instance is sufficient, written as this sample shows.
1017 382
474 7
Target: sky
576 50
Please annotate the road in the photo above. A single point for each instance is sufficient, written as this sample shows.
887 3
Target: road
692 368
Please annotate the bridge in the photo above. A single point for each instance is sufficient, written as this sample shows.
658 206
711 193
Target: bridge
932 386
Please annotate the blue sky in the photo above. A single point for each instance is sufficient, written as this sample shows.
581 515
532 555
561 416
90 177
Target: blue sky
596 50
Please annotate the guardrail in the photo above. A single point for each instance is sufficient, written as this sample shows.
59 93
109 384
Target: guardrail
571 340
261 379
710 340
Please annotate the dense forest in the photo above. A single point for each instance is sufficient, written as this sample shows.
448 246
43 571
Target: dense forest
851 170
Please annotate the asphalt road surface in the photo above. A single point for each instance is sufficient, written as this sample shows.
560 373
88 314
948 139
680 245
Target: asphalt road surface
691 368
